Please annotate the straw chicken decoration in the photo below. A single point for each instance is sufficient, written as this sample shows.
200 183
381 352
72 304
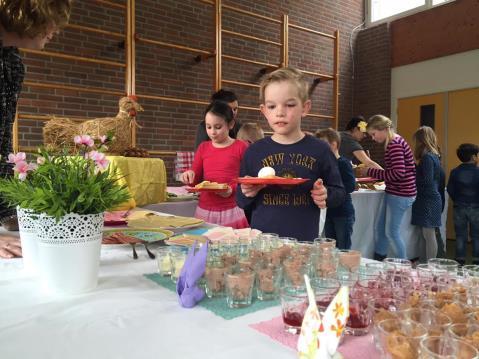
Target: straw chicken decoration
59 132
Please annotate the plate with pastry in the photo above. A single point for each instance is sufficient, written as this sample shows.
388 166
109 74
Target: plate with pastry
267 176
207 186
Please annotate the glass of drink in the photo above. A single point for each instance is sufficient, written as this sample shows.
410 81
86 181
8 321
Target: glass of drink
294 302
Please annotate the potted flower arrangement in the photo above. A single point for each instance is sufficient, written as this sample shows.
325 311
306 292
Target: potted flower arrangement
61 200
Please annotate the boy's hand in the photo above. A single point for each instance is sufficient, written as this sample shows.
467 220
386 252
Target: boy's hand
319 193
188 177
251 190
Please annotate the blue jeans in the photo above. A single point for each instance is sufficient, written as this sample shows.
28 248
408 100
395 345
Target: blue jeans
341 229
466 221
391 214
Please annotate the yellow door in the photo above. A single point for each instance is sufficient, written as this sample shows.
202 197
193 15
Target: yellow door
462 127
409 115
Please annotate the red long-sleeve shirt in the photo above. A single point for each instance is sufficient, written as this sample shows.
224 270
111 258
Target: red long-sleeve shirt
220 165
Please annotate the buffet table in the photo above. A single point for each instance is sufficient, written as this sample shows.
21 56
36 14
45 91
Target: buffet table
366 204
126 316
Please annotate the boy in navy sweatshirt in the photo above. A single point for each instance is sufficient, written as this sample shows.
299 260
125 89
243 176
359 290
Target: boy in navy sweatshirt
340 220
463 188
290 211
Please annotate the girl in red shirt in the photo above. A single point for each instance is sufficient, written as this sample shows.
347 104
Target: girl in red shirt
219 161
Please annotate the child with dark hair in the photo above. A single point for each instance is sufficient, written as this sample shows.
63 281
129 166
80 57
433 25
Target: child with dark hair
27 24
340 220
463 188
218 161
230 98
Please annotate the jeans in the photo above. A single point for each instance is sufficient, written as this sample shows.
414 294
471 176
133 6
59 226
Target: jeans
341 229
466 221
391 214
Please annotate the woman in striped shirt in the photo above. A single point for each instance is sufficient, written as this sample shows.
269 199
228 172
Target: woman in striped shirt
399 175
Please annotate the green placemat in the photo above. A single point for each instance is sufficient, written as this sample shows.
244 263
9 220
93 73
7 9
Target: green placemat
216 305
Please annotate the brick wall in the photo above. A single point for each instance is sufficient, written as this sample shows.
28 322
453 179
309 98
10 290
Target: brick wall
372 80
441 31
171 126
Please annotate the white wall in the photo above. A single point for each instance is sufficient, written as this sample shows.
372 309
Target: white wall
454 72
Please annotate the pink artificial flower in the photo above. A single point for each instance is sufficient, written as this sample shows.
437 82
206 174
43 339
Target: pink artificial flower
22 168
40 160
100 159
84 140
102 138
19 157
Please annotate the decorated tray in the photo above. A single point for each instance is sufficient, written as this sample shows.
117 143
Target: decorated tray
129 236
272 181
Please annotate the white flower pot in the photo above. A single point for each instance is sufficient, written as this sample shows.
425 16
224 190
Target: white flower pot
69 251
28 237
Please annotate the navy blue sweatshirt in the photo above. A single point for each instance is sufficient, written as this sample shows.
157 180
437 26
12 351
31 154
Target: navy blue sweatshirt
346 209
463 185
289 210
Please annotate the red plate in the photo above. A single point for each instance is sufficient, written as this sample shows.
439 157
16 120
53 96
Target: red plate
272 181
195 190
366 179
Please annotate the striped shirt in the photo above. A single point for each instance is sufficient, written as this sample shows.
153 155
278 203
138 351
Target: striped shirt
400 171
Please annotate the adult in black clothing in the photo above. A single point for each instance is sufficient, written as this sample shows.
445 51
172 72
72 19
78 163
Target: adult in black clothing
225 96
26 24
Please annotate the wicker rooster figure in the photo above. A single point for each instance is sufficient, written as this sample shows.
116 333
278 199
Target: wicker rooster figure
60 132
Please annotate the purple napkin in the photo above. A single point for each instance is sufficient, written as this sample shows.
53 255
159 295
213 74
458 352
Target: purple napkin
186 287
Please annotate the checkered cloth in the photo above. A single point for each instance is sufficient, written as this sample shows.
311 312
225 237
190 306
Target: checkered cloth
183 162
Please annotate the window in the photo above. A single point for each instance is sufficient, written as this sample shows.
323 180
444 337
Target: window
387 10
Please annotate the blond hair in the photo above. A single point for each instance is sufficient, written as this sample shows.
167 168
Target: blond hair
381 122
33 17
250 132
290 74
425 140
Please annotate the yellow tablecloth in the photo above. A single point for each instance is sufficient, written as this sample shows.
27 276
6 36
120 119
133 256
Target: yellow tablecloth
145 178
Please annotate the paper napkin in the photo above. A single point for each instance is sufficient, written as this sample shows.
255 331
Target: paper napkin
320 337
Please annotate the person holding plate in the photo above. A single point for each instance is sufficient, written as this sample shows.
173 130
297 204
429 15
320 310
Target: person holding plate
218 161
289 211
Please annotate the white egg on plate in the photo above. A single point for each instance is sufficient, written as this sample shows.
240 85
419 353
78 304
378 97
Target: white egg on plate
266 172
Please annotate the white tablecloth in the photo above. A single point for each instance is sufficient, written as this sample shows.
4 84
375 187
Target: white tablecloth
366 205
127 316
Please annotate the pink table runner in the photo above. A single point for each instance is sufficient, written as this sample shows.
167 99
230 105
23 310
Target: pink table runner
352 347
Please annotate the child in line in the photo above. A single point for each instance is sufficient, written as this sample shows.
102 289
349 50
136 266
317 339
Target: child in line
290 211
340 220
250 132
463 188
232 100
399 175
27 24
429 203
219 161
